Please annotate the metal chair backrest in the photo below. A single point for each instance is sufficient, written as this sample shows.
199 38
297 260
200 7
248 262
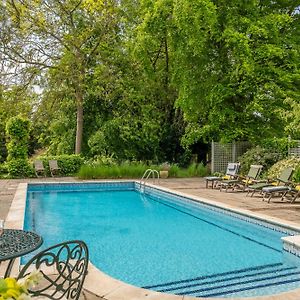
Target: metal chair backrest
232 169
254 171
63 268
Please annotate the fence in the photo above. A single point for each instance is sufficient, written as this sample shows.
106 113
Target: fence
222 154
295 151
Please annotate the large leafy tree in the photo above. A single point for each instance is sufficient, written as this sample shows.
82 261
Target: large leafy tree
64 38
237 63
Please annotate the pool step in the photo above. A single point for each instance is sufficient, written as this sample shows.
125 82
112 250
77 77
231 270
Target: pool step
233 282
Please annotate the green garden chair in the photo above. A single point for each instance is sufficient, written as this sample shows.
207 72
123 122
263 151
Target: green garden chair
283 179
242 181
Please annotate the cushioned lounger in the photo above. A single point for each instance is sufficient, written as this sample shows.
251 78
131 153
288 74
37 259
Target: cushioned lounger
284 178
270 191
232 170
242 182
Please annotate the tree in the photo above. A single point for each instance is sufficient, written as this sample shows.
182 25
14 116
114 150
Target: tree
60 37
237 63
14 101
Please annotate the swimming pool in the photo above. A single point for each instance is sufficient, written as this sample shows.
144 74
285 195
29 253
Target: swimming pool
165 242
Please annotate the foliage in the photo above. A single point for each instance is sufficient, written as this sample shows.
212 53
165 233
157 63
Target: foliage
19 168
13 101
235 70
17 131
278 145
258 156
11 289
66 38
124 170
3 169
136 170
296 176
68 164
148 80
292 162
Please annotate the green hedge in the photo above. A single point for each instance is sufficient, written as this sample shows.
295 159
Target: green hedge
125 170
19 168
68 164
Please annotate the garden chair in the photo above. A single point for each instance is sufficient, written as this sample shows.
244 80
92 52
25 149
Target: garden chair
53 166
242 181
283 179
231 171
283 190
63 270
39 168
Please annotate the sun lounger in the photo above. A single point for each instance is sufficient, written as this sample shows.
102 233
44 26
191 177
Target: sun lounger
54 168
270 191
242 182
283 179
39 168
231 171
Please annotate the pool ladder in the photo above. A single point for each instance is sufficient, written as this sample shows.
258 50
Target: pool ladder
147 174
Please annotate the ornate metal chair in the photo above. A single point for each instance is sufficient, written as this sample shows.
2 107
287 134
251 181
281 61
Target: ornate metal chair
63 268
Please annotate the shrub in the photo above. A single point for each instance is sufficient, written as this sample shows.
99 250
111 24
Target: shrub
136 170
258 156
19 168
3 169
68 164
297 174
193 170
278 145
292 162
202 170
124 170
174 170
17 131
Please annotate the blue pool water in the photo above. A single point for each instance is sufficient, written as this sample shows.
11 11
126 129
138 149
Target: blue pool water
163 243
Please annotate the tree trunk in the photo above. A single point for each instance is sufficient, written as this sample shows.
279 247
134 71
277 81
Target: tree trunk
79 122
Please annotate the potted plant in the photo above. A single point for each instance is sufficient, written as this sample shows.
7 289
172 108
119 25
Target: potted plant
164 170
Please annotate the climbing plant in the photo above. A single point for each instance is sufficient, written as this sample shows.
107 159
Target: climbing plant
17 132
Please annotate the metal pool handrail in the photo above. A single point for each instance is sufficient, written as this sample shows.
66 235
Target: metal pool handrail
147 174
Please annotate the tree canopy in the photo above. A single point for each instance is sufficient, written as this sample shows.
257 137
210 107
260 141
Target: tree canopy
148 80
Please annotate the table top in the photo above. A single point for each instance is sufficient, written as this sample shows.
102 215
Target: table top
16 242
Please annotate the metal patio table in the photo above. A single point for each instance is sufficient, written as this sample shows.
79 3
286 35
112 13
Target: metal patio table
15 243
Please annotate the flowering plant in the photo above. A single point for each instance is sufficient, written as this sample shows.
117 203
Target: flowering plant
12 289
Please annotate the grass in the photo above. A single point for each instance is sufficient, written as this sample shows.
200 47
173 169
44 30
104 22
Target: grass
136 170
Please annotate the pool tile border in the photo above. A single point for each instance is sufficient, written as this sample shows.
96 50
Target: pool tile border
233 213
112 289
